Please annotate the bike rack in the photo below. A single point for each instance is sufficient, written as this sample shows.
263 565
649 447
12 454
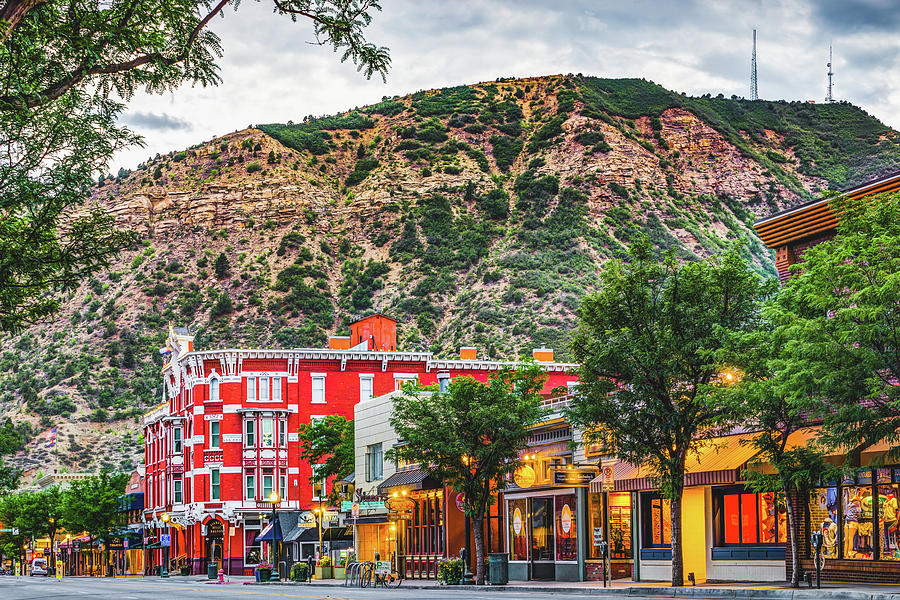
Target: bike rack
351 574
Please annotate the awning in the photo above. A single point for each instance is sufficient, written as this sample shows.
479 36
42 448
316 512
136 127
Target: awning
272 532
332 534
410 479
717 461
294 534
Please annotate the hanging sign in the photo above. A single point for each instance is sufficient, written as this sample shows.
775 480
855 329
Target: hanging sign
524 477
565 518
460 502
608 482
517 521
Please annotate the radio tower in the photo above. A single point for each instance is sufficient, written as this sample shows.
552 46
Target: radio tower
754 93
829 97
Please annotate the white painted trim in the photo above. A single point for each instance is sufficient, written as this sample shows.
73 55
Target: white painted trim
314 375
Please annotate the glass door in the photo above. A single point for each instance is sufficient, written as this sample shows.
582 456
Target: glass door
542 538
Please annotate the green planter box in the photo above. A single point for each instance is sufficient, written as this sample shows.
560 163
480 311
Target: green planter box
264 574
325 572
340 572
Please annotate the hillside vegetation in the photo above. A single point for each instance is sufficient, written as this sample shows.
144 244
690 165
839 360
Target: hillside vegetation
477 215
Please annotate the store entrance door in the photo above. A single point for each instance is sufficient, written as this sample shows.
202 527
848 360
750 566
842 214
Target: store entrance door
215 537
542 565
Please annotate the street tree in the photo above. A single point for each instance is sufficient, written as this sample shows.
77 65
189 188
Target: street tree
92 505
12 541
38 513
649 379
329 445
841 312
470 437
769 404
66 71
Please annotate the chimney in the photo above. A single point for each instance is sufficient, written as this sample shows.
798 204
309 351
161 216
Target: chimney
468 353
443 378
339 342
542 354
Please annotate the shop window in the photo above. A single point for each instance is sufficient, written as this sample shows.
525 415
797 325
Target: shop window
657 521
276 389
250 432
823 517
251 548
518 529
746 518
620 545
596 526
542 529
374 462
888 517
857 510
267 433
566 531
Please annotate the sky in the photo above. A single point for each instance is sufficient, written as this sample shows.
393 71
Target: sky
271 72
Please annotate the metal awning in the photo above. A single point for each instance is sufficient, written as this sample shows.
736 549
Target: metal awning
410 479
332 534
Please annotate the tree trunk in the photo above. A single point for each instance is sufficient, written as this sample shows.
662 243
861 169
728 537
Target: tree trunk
792 537
677 560
479 548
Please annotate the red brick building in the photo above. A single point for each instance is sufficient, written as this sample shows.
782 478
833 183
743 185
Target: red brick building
225 439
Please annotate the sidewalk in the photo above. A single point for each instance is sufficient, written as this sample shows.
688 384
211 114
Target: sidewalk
658 589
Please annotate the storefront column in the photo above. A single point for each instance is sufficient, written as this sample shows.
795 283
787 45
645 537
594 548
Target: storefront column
636 541
582 531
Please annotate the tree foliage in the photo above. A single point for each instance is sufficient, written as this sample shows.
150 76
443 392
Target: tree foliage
328 444
649 376
841 313
470 437
61 66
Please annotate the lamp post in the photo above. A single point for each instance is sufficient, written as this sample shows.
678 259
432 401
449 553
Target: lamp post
276 574
164 570
320 514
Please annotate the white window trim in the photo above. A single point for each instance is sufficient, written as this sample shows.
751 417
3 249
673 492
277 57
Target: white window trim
247 475
370 377
250 421
313 377
214 377
323 481
219 471
262 435
401 378
251 386
209 441
276 386
265 385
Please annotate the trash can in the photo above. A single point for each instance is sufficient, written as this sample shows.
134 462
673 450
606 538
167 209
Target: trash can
498 566
212 570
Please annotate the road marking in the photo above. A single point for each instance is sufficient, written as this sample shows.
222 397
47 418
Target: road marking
262 592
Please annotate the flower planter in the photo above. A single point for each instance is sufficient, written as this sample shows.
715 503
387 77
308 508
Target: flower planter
324 572
340 572
185 570
264 574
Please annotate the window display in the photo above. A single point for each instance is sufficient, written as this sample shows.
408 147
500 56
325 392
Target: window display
888 517
620 525
657 521
747 518
566 530
596 525
518 529
857 509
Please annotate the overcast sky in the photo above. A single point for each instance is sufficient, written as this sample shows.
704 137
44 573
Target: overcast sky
271 73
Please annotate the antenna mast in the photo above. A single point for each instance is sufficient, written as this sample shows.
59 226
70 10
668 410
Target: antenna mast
829 97
754 93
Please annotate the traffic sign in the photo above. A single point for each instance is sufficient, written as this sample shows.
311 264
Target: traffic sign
164 540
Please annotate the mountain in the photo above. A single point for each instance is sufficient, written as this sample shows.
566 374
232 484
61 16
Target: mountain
477 215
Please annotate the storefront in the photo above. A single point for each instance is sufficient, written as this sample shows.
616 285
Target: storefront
414 537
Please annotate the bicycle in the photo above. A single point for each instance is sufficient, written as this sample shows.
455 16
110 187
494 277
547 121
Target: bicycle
387 579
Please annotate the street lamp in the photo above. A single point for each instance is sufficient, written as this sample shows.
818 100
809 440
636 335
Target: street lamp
164 571
319 515
276 574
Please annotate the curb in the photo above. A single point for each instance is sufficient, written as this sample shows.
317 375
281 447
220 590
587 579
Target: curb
654 592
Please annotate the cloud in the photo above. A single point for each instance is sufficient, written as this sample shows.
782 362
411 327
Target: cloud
271 73
157 121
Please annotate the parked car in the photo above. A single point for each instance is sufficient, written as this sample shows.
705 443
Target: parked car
39 567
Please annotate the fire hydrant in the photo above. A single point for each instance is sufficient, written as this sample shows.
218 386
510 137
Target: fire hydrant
221 576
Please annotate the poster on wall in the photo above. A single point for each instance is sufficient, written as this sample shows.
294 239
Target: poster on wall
517 521
566 518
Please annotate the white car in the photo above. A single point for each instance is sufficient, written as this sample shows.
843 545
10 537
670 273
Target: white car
39 567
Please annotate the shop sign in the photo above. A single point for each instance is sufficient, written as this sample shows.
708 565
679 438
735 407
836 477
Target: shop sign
347 505
565 519
524 477
598 535
398 504
573 477
883 476
517 521
460 502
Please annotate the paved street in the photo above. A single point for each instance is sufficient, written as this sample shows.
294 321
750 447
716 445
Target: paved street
28 588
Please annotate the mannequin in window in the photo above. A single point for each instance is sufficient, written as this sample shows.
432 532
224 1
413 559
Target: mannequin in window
829 538
889 516
851 525
864 534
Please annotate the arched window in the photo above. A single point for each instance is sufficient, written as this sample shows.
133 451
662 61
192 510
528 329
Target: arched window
214 389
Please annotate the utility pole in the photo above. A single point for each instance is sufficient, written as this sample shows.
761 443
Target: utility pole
754 92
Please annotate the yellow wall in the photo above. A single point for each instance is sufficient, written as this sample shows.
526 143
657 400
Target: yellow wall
693 530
